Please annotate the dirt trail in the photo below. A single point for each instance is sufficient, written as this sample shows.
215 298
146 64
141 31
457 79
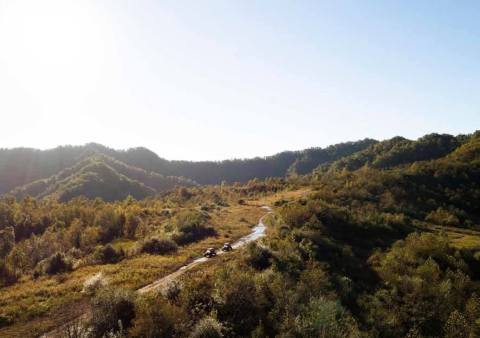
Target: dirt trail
258 231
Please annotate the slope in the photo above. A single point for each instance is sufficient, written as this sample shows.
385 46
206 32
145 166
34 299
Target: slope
400 151
100 176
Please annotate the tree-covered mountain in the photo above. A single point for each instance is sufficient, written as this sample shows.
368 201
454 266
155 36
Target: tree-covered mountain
24 167
98 171
399 151
100 176
310 158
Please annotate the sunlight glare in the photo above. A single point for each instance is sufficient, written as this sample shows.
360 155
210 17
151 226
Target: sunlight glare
54 49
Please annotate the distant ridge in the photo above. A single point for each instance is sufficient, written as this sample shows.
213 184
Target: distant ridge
100 176
93 170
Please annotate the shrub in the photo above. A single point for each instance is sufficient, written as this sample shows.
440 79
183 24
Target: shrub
112 310
7 274
158 246
57 263
5 320
443 217
182 238
94 283
236 301
257 256
325 318
7 241
208 327
190 227
196 296
109 223
155 318
173 291
107 255
75 329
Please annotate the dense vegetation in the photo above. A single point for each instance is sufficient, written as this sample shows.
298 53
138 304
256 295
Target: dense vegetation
385 244
398 151
35 235
100 176
96 171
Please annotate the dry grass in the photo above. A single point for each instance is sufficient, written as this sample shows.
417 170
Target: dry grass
40 305
282 195
467 239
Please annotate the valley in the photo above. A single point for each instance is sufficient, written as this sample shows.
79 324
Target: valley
359 245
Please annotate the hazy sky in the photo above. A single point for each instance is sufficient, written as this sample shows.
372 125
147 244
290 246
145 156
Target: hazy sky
228 79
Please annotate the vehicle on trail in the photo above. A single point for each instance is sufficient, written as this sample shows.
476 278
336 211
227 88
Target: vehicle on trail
227 247
210 252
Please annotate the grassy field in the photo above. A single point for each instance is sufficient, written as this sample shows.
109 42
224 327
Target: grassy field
37 306
467 239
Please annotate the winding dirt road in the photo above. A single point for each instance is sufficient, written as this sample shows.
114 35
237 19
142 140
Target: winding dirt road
160 284
258 231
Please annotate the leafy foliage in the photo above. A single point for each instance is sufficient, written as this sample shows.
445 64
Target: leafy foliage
158 246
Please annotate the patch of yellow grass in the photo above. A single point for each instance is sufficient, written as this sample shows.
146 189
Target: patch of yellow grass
282 195
468 242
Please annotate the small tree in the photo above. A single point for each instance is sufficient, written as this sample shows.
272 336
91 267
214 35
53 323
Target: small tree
257 256
57 263
159 246
208 327
112 309
456 326
155 318
7 241
94 283
107 255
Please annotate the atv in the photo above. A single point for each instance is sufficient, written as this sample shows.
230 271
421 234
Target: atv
210 252
227 247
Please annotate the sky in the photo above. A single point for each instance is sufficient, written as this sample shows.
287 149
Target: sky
212 80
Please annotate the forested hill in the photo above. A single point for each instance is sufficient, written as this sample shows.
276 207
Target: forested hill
54 172
94 170
399 151
100 176
279 165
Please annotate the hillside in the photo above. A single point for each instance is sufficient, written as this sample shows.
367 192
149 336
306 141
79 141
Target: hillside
399 151
387 250
67 172
20 167
100 176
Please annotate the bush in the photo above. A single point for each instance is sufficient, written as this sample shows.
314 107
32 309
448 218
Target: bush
107 255
158 246
75 329
191 227
196 296
182 238
156 318
5 320
94 283
325 318
57 263
208 327
173 291
7 274
236 301
112 310
257 256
